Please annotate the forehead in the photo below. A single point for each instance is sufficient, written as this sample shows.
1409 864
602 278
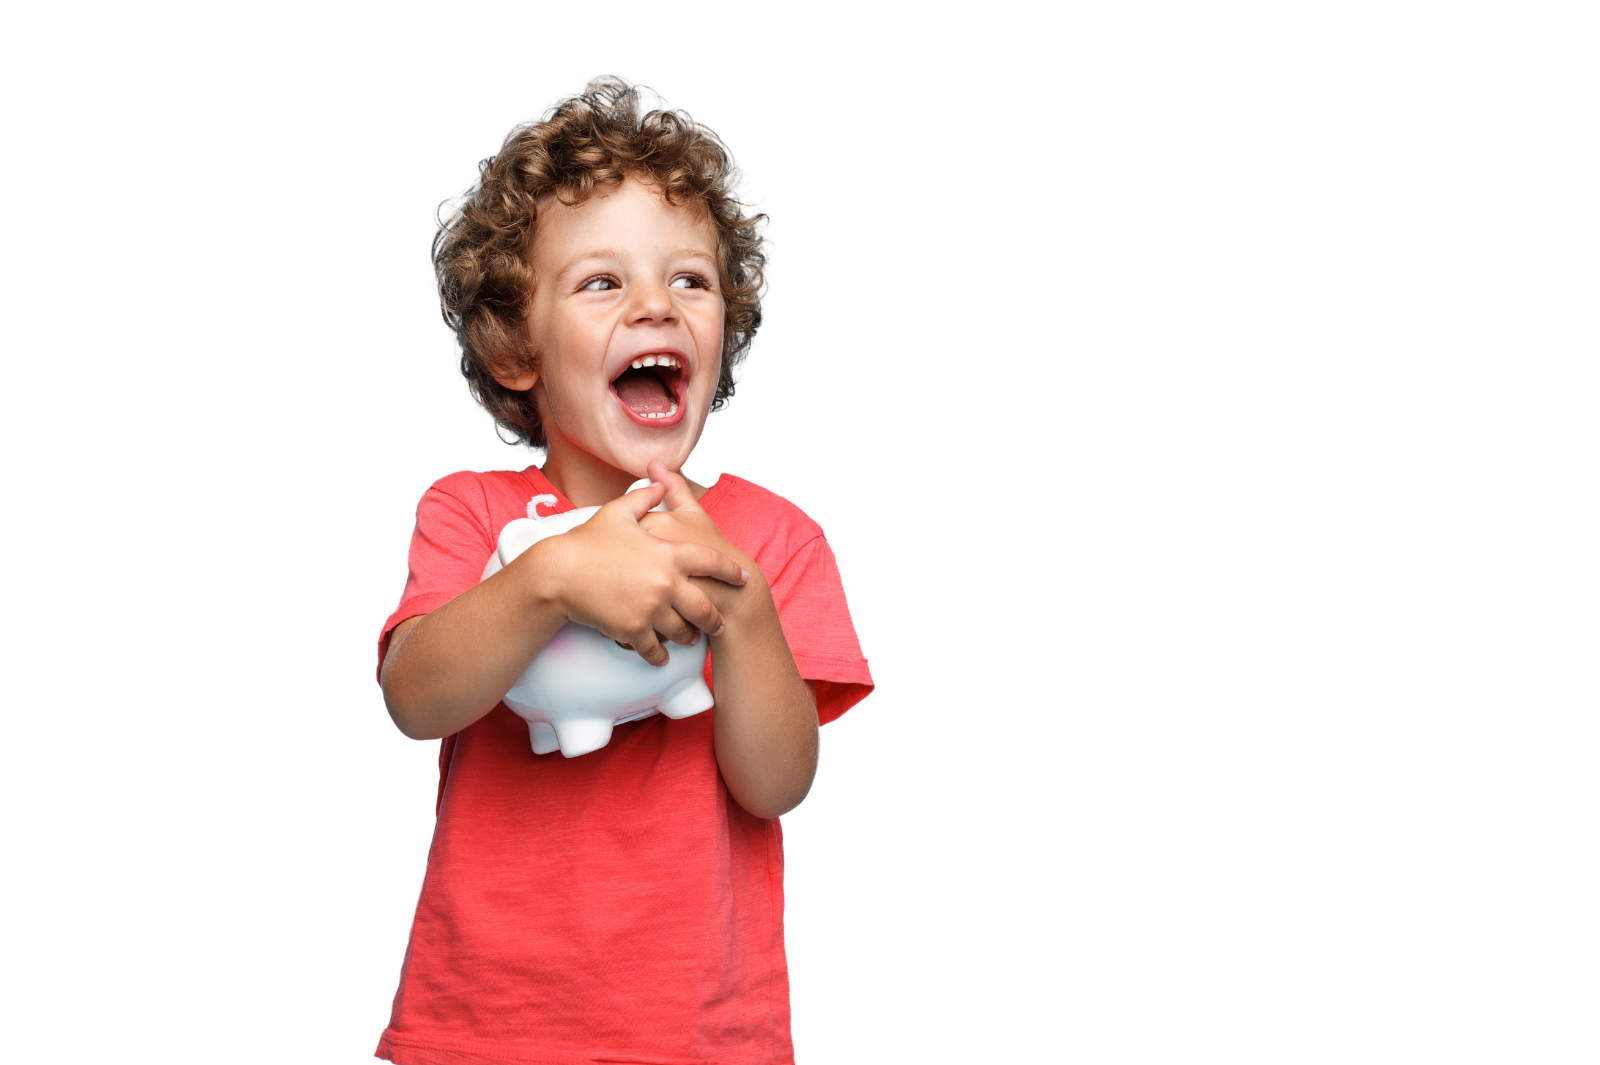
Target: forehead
630 218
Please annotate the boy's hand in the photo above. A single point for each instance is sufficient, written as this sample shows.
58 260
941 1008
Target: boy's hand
685 522
635 587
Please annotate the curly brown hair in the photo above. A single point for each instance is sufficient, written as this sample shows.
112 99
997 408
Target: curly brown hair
594 140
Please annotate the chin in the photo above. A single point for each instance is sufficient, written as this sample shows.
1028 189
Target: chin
672 448
638 464
676 462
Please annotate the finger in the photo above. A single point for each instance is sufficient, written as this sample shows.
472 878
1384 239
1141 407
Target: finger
638 503
698 560
648 647
664 525
697 608
679 495
670 625
661 638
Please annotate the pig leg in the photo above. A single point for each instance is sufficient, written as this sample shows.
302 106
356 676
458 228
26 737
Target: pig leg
543 736
583 735
687 698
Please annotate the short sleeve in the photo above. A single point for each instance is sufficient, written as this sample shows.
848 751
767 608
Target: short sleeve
449 547
816 622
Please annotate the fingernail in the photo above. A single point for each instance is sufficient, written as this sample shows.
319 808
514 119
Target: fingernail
744 576
720 630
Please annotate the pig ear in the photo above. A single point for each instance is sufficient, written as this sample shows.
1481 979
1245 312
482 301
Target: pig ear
518 536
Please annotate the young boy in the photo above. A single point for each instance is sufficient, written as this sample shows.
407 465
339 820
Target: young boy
625 905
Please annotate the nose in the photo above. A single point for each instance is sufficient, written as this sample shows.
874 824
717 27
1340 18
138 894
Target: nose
651 304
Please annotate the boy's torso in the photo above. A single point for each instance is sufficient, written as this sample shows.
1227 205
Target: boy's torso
619 902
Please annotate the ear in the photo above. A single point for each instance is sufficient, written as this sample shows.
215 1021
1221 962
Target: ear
516 378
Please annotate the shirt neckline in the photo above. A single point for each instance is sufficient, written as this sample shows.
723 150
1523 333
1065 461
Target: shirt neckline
543 485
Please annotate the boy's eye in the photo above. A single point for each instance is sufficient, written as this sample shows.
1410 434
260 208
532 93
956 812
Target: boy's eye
605 283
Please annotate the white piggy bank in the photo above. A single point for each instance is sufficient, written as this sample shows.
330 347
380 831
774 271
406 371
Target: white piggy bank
583 683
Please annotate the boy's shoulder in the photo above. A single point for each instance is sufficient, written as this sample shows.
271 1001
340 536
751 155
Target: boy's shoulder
471 507
756 519
735 495
475 484
753 517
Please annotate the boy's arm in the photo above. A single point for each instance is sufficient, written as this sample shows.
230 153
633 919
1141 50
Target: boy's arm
765 723
448 668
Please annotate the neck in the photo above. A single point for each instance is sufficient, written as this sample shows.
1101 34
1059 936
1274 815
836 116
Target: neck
582 478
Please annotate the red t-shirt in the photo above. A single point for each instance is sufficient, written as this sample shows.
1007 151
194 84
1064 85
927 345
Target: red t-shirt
619 906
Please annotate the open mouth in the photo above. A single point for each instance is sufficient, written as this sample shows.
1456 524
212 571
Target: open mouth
651 389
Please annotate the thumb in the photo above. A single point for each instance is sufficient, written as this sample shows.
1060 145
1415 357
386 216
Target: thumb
679 495
639 501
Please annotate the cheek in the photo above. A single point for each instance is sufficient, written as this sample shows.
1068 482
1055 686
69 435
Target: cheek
706 386
709 337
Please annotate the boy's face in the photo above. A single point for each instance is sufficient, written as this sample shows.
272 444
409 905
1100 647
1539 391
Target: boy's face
621 281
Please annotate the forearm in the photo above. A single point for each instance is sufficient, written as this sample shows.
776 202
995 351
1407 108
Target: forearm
448 668
766 715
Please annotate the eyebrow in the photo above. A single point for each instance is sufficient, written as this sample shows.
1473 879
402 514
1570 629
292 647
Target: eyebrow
615 253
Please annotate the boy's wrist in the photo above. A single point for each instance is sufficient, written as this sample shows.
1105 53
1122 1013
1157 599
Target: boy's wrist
542 587
749 605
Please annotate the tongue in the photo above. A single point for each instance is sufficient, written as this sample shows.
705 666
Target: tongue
644 393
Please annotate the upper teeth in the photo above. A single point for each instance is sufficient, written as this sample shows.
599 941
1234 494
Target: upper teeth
656 360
